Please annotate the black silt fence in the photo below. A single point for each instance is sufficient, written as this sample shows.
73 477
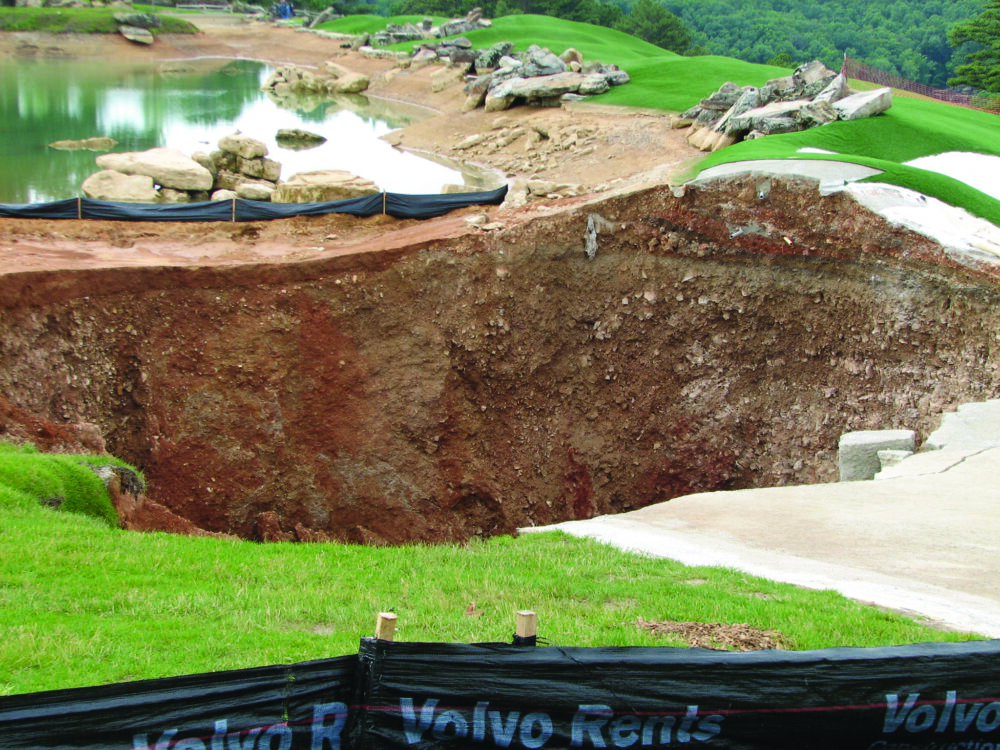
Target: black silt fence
425 696
393 204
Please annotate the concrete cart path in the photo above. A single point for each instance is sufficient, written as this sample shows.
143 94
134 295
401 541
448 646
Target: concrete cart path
925 541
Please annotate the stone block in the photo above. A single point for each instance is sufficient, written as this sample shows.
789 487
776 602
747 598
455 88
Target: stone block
865 104
167 168
108 185
241 145
857 455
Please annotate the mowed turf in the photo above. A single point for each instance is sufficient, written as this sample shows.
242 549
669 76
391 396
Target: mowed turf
84 604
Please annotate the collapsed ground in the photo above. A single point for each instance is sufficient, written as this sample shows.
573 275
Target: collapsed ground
383 381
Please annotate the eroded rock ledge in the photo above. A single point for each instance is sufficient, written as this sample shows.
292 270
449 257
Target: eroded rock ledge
472 384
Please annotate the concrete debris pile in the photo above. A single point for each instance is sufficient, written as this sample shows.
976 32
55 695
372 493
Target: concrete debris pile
395 33
239 168
537 77
811 96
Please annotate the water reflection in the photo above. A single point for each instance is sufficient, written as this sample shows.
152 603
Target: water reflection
188 107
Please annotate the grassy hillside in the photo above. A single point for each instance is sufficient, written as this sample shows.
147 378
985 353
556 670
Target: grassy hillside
664 80
80 21
369 24
85 604
912 128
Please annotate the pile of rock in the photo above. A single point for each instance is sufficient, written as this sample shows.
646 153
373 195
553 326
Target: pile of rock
395 33
160 175
537 77
812 96
449 51
332 79
241 169
238 169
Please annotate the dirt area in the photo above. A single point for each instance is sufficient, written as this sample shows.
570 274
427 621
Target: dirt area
715 635
384 381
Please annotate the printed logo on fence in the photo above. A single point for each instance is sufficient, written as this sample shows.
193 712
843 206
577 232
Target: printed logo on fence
952 714
592 726
321 733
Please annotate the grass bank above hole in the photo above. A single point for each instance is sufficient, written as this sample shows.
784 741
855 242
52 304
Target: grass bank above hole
84 604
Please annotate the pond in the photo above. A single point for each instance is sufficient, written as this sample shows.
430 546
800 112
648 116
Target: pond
188 106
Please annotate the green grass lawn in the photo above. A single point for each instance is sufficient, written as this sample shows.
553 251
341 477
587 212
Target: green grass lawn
82 603
369 24
80 21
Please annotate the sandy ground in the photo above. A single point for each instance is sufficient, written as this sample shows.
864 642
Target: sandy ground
594 147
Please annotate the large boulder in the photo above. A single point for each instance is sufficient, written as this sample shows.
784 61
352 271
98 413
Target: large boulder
136 34
167 168
542 62
352 83
97 143
500 97
865 104
753 119
262 168
242 145
593 83
297 139
812 72
545 87
834 91
321 186
109 185
490 58
256 190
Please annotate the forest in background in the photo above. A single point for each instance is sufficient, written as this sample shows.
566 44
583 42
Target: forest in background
906 37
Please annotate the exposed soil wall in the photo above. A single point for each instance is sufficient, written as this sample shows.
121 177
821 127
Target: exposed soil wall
472 384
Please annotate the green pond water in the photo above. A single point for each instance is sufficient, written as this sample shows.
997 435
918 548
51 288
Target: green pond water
188 106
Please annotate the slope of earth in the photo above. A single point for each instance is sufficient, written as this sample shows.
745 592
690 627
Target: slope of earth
434 382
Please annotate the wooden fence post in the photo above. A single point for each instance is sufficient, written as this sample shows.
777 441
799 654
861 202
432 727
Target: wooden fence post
527 628
385 626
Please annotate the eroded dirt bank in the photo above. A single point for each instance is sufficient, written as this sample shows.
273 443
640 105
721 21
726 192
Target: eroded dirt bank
467 383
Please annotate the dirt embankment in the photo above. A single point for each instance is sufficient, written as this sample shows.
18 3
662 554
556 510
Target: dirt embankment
385 381
468 383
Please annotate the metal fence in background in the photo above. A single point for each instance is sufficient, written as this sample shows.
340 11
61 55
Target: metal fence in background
860 71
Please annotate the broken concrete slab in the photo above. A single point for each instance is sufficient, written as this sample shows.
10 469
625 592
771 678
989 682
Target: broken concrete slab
865 104
857 452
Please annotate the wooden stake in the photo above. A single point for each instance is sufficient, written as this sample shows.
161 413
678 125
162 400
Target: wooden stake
527 624
385 627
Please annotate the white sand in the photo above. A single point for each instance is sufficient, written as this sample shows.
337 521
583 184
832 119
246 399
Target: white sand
980 171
